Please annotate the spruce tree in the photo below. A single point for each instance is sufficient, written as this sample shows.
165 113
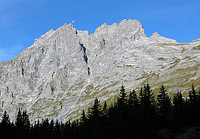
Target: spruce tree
95 111
193 97
122 100
5 120
104 110
25 120
19 120
147 97
130 99
20 126
121 113
178 101
83 119
95 124
141 96
44 126
5 126
194 106
57 129
133 119
148 112
164 105
180 111
84 124
51 129
104 120
133 99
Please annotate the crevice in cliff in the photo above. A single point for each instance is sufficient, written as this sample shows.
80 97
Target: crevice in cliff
88 71
53 75
22 71
2 104
83 49
84 53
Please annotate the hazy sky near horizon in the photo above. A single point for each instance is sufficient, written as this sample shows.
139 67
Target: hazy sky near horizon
22 21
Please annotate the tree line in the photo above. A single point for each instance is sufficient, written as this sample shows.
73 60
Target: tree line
138 115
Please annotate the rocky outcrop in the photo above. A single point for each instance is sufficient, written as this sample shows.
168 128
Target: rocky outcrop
65 70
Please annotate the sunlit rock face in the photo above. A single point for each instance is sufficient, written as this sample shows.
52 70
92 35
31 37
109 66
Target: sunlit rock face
65 70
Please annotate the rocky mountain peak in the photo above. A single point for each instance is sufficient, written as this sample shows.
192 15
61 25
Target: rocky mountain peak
157 38
48 34
155 35
65 70
130 29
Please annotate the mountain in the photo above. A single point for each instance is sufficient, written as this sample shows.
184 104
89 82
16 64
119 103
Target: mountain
65 70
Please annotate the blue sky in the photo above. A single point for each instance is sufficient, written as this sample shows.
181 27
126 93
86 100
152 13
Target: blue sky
22 21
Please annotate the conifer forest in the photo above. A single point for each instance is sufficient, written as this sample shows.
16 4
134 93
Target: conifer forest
134 115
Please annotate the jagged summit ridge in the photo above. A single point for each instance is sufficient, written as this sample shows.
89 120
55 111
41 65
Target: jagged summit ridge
66 69
132 28
157 38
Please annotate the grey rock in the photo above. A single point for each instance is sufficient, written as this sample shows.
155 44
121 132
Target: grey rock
65 70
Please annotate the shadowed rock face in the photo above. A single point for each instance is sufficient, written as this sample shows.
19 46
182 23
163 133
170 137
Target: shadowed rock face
65 70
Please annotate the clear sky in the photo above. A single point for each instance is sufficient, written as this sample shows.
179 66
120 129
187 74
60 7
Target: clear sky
22 21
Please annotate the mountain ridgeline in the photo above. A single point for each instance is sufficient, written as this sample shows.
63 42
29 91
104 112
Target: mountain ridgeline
65 70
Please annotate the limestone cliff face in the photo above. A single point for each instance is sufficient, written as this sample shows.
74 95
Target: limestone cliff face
65 70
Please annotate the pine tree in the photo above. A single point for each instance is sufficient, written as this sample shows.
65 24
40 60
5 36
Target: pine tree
193 97
57 129
147 97
194 106
19 120
180 111
178 101
104 110
44 126
95 124
141 96
5 126
133 99
84 124
120 113
95 111
130 99
164 105
51 129
35 129
83 119
51 125
67 130
19 123
5 120
148 112
122 97
133 119
25 120
104 120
